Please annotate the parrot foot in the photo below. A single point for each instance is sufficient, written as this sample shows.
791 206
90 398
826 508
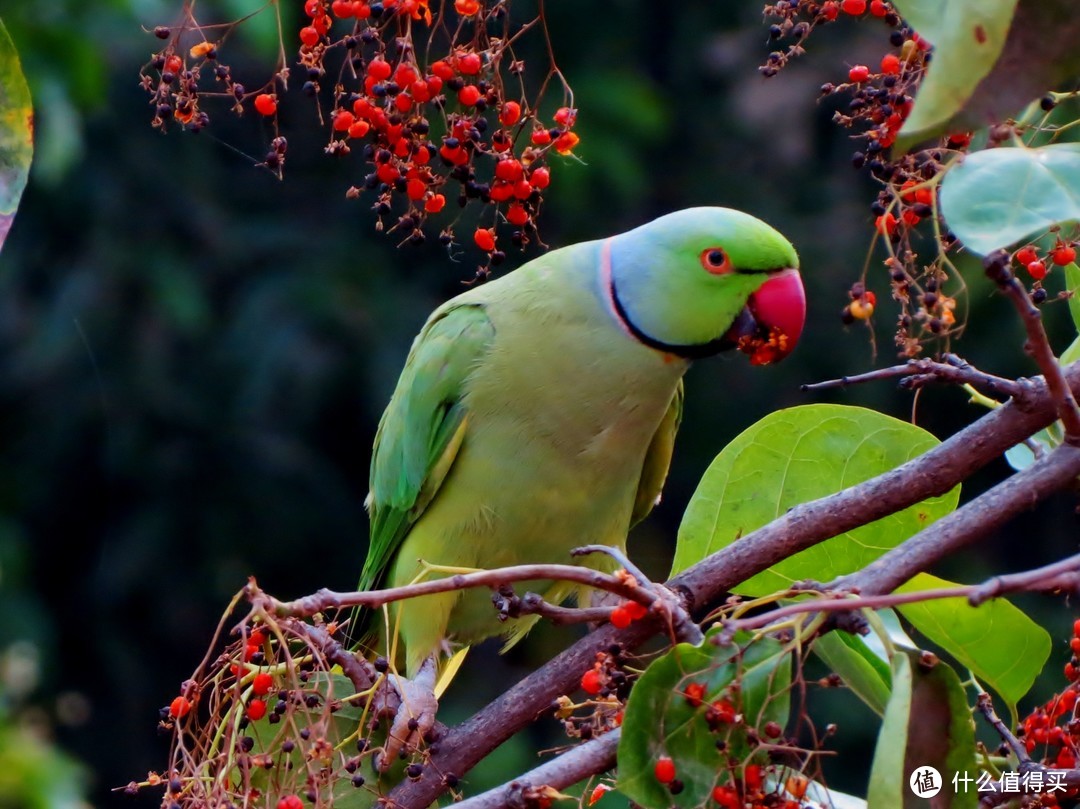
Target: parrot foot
415 715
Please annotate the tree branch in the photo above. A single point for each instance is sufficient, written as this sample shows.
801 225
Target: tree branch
933 473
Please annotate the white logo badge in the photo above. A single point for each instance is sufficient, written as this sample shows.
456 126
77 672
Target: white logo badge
925 782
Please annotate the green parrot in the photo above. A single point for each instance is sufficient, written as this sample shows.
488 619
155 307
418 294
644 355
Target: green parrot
538 412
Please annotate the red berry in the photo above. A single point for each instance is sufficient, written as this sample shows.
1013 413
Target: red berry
435 203
443 70
911 219
664 770
540 178
179 707
960 140
724 711
379 69
518 216
342 9
752 777
258 637
422 156
265 104
885 224
309 35
565 143
726 797
1065 254
694 693
467 8
598 792
522 189
637 610
419 91
510 113
858 73
470 63
565 116
1024 256
591 681
415 189
830 9
1070 672
262 684
290 802
509 170
387 173
853 7
343 119
313 8
174 64
485 239
405 75
256 709
469 95
620 618
403 102
878 8
890 64
1037 270
501 191
359 129
1076 628
540 137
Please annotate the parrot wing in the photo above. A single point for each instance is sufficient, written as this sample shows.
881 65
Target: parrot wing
658 459
421 430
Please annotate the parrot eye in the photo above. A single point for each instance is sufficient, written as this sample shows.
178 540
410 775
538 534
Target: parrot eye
715 261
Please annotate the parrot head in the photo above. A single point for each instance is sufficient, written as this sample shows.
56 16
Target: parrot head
703 280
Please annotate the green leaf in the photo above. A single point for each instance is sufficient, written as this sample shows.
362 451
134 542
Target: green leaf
660 720
16 132
1072 284
968 37
1070 354
793 456
976 637
996 197
866 674
927 723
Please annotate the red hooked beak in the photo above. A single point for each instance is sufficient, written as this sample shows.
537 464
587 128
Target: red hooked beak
770 325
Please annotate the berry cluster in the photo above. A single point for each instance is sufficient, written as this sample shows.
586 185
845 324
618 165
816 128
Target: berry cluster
1036 264
1055 726
439 125
268 723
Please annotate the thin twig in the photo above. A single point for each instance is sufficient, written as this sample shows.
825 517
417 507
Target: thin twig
917 373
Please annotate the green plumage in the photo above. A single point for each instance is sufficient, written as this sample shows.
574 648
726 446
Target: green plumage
527 421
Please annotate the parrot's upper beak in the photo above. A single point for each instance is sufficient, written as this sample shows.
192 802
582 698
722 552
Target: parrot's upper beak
770 324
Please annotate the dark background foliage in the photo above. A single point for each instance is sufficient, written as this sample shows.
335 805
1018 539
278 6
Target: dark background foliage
194 356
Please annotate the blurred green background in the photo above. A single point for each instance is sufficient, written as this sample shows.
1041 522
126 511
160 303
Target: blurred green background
194 355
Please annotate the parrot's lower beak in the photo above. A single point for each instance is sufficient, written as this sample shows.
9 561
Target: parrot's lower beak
770 324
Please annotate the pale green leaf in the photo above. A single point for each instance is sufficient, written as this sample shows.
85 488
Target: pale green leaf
793 456
866 674
996 640
1072 284
994 198
968 37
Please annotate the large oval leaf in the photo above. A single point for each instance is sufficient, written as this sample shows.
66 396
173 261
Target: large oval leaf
793 456
662 719
968 36
927 724
996 197
16 132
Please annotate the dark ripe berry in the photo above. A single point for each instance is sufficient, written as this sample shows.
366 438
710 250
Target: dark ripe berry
1037 297
800 30
370 181
775 32
358 780
305 733
414 770
827 88
877 208
773 730
247 743
896 39
497 258
381 664
350 42
846 317
309 88
675 787
175 785
1047 102
162 32
451 780
273 718
417 238
858 160
167 77
929 299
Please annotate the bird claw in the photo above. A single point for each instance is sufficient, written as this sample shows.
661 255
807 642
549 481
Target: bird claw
415 714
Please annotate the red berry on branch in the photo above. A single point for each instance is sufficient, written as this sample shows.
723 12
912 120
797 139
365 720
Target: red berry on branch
890 64
470 63
469 95
694 692
343 119
1037 270
290 802
435 203
509 170
415 189
262 684
443 69
265 104
540 137
879 8
510 113
309 35
853 7
379 69
1064 254
517 215
619 618
664 771
885 224
256 709
591 681
565 116
830 9
359 129
343 9
313 8
485 239
859 73
179 707
1025 255
540 178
